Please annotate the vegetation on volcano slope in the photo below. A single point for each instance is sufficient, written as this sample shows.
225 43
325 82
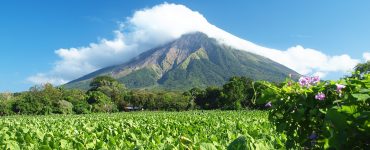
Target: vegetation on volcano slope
193 60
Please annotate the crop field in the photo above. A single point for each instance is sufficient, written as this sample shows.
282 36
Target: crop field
140 130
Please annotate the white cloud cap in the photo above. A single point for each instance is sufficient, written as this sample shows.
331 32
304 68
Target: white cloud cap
162 23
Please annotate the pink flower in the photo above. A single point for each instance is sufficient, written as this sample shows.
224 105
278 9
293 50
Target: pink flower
308 81
303 81
320 96
315 79
340 87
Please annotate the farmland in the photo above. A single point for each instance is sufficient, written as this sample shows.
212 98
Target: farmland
141 130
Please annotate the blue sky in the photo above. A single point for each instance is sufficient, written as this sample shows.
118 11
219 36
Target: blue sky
31 32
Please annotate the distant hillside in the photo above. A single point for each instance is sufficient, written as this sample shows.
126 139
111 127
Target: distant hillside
193 60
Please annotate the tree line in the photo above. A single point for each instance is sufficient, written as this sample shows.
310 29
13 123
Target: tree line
106 94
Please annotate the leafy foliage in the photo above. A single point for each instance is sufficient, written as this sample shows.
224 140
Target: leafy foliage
106 94
324 115
39 100
170 101
6 102
363 68
109 87
141 130
237 93
64 107
347 122
101 102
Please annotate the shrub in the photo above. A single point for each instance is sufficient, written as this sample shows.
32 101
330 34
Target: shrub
6 107
82 107
317 114
64 107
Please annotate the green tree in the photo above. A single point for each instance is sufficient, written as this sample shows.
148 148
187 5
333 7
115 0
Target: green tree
101 81
6 101
172 101
191 104
143 99
213 95
208 99
198 95
78 98
39 100
101 102
110 87
236 93
363 68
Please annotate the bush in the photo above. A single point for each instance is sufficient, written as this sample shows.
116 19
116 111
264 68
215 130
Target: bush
347 121
64 107
6 107
32 103
316 114
82 107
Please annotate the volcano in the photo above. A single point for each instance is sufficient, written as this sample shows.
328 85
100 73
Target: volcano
193 60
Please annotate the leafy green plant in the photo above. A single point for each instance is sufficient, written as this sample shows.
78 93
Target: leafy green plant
347 122
204 130
327 114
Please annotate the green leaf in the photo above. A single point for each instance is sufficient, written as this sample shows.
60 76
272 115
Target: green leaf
44 147
338 119
361 97
239 144
185 140
364 90
12 145
349 109
207 146
63 143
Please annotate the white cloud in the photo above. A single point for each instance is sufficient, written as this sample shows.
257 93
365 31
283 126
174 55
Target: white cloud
43 78
320 74
366 56
154 26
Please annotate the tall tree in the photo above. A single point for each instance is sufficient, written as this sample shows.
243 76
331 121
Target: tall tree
235 92
110 87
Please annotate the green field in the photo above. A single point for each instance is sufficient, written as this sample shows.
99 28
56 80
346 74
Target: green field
139 130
